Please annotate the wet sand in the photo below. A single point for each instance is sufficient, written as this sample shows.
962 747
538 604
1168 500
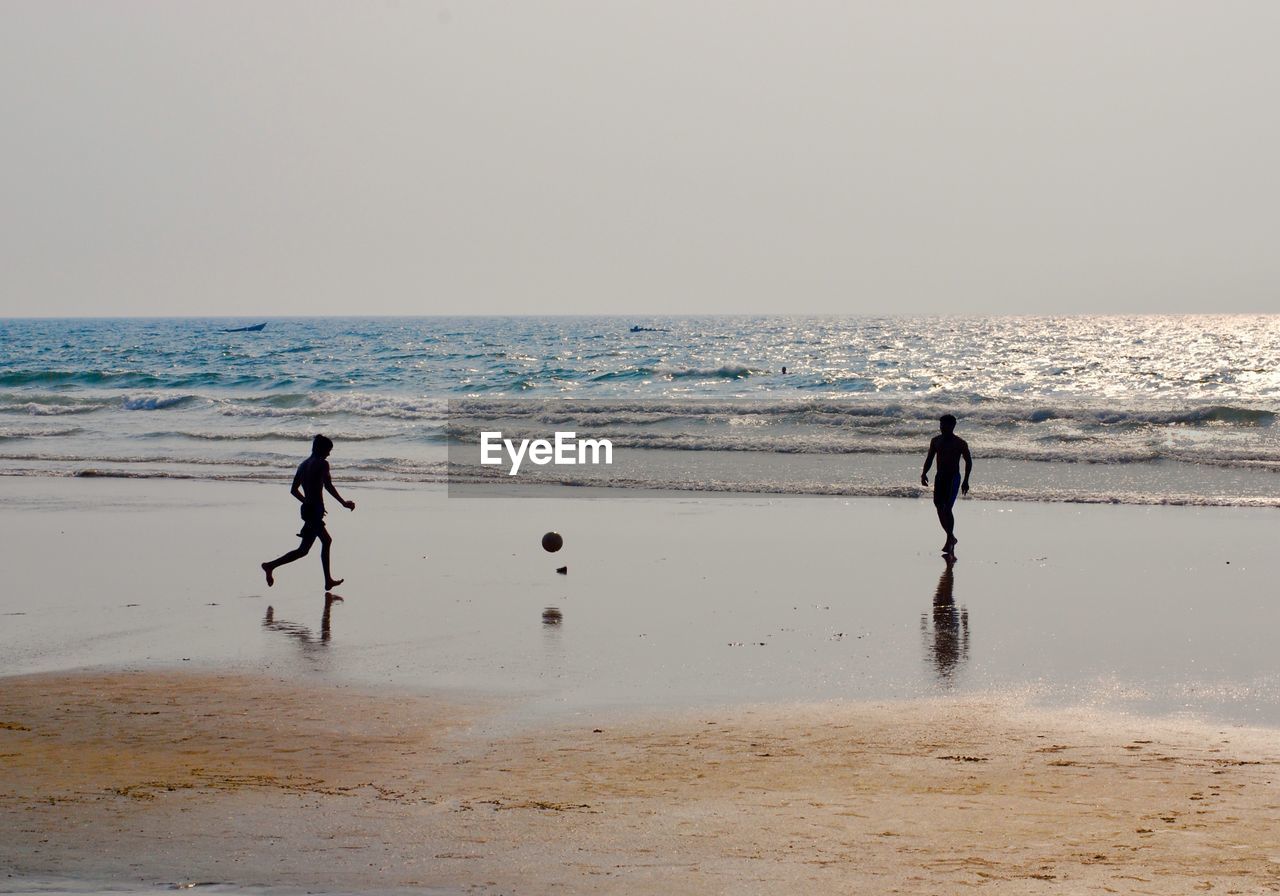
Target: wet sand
171 778
668 602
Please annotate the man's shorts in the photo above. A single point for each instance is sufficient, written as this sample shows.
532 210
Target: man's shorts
945 492
312 521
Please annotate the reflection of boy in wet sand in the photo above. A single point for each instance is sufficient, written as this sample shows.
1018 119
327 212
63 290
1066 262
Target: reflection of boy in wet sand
309 485
947 485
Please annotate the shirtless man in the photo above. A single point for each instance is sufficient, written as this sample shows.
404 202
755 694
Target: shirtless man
309 485
948 448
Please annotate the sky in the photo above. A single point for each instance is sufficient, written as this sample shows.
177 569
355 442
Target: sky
648 157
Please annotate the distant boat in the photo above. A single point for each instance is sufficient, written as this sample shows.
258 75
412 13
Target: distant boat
254 329
649 330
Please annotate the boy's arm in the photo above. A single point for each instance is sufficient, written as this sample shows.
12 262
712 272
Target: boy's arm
296 488
328 486
968 465
928 462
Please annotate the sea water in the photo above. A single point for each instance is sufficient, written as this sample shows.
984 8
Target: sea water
1138 410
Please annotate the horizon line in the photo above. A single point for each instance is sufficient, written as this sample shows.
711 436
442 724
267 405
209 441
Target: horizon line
639 315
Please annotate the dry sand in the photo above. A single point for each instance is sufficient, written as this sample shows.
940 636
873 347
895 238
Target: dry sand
166 777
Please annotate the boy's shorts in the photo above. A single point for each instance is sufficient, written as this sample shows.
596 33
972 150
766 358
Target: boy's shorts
312 521
945 492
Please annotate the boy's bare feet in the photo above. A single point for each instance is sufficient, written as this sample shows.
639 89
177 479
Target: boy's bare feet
333 583
271 580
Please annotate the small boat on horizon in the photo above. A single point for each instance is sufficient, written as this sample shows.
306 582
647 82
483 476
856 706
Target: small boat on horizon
639 329
253 329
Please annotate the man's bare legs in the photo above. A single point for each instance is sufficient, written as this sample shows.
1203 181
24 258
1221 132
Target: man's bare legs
948 521
301 551
329 581
296 554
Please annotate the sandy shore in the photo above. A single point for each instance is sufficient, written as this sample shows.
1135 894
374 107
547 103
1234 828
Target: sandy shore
164 777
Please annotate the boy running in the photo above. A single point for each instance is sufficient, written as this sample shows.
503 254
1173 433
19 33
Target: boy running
309 485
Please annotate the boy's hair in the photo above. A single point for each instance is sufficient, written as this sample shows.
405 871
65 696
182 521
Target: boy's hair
946 421
321 444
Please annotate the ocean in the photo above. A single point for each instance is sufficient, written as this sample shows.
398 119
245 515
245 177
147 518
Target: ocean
1129 410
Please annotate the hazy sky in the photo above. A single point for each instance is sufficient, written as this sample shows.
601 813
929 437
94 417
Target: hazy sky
638 157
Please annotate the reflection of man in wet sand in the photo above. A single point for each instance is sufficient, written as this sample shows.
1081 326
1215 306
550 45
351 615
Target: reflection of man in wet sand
949 645
947 485
301 632
309 485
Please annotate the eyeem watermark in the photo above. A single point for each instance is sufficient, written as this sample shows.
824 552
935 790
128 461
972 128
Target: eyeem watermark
564 450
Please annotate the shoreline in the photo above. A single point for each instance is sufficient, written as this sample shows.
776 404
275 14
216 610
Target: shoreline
132 778
470 486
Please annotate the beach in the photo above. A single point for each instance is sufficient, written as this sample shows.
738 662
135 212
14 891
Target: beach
612 449
180 778
736 693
